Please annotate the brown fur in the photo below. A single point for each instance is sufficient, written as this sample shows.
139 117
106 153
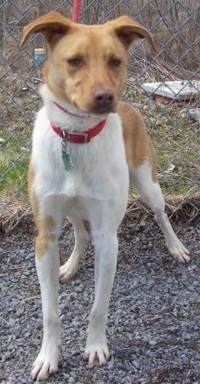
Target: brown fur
45 225
137 142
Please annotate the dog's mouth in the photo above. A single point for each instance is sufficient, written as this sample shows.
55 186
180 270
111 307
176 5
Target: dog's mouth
94 110
103 110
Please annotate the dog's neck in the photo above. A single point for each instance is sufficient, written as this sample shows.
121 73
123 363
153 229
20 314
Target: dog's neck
66 116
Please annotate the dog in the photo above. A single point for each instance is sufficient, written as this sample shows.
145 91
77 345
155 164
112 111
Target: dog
86 145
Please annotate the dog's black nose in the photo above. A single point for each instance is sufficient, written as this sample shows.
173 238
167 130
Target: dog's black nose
103 98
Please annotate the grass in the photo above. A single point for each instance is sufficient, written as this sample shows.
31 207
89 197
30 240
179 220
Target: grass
14 158
15 136
13 169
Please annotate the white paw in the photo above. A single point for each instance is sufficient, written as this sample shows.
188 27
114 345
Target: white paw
68 270
46 363
178 251
96 351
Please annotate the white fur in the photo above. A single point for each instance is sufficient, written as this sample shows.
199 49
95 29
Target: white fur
96 189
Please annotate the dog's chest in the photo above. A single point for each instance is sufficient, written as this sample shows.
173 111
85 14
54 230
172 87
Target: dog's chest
99 173
80 191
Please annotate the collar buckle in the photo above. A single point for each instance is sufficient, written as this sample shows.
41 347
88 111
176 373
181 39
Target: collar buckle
85 135
69 136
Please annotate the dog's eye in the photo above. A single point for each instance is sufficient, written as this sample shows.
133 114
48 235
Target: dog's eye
114 63
75 61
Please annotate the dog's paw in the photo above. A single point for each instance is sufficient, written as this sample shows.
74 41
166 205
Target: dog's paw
67 270
179 252
45 364
96 353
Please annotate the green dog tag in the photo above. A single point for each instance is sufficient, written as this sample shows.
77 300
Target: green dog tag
67 160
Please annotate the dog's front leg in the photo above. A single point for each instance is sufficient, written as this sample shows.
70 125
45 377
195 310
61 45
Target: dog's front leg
106 249
47 264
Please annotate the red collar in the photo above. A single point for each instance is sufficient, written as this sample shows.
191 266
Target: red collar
80 137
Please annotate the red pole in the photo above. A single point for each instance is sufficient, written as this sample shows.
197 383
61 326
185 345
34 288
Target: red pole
76 11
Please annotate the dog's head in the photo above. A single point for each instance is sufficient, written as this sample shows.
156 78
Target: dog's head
87 64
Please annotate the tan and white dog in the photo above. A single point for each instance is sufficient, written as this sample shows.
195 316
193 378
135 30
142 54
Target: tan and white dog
80 166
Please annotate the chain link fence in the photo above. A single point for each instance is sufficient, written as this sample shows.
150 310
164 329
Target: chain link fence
165 87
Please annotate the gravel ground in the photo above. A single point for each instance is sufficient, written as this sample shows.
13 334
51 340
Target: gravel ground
154 320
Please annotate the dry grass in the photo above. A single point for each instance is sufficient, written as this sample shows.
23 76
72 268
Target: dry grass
16 214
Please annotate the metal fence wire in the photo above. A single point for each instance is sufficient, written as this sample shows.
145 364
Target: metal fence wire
165 86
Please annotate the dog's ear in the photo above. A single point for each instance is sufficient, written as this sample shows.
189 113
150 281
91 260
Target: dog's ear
128 30
52 25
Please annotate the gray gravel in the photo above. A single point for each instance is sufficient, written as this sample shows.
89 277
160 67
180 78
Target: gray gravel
154 322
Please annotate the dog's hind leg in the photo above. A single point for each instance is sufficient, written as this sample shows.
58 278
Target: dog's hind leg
81 234
151 195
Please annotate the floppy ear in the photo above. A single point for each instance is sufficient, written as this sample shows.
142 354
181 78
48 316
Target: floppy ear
52 25
128 30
